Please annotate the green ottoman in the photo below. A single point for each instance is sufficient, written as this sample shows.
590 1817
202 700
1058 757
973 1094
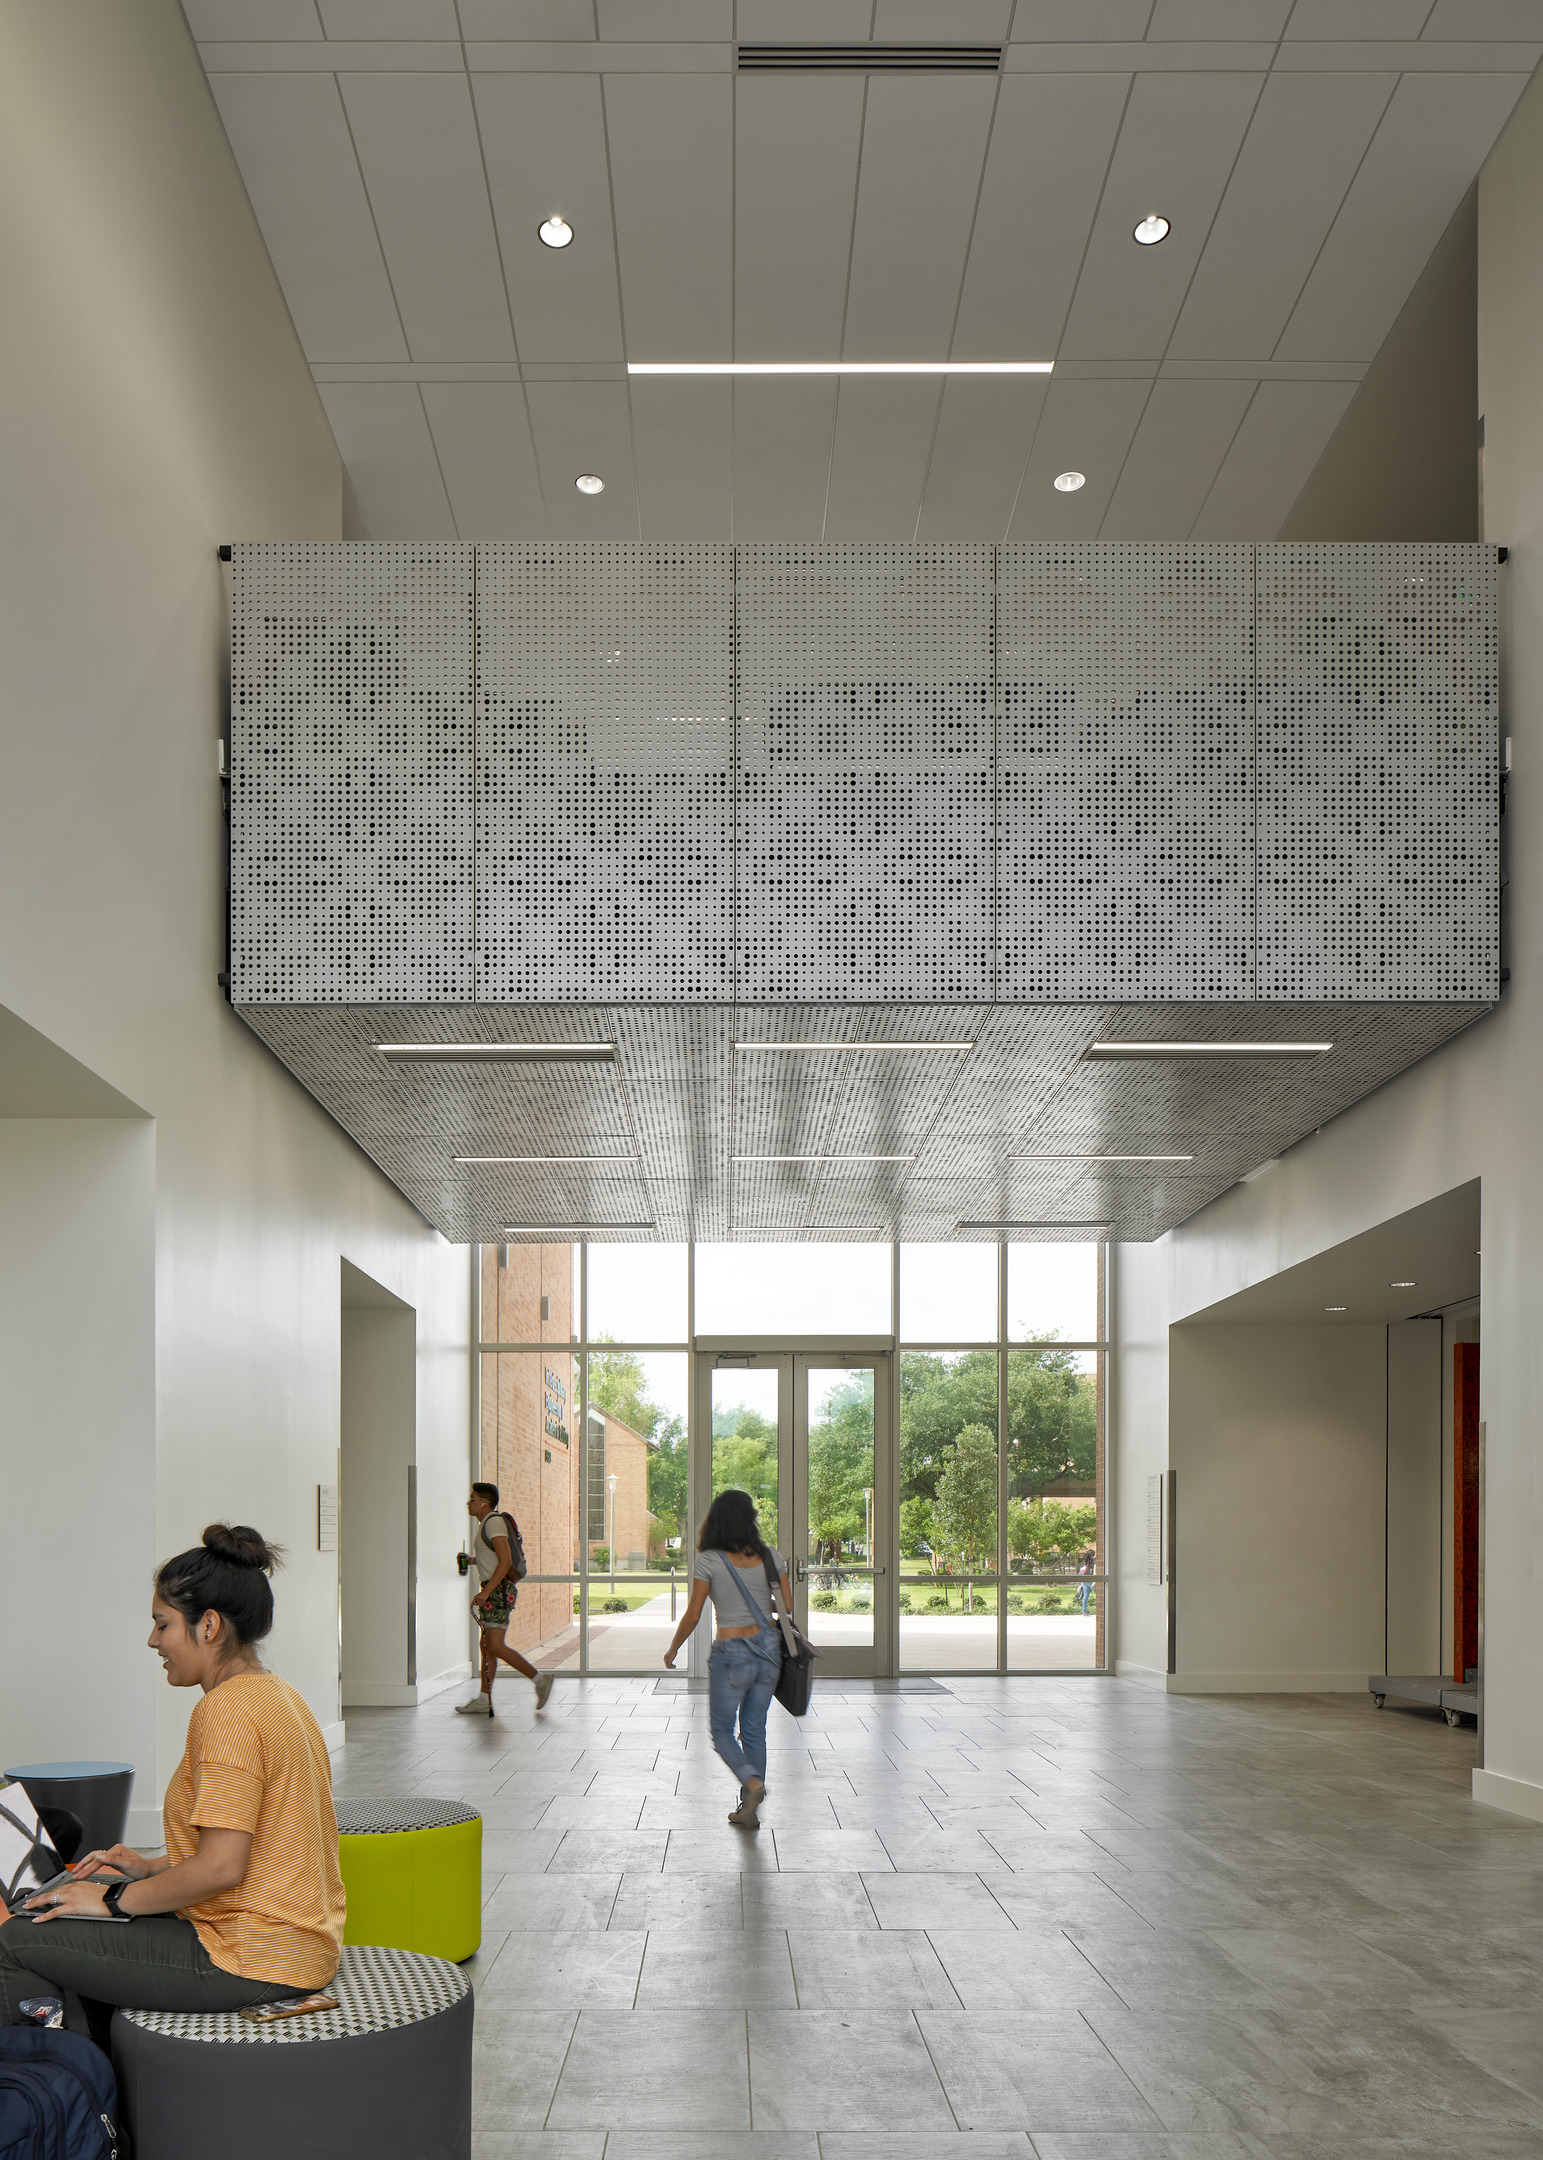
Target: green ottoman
413 1873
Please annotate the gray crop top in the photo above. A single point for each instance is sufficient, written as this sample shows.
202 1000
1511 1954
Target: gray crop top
720 1574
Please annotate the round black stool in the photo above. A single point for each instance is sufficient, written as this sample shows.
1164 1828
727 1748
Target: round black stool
388 2073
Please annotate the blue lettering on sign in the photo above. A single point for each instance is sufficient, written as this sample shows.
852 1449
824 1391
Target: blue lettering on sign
556 1406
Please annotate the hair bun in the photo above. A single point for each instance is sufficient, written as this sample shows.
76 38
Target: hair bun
241 1544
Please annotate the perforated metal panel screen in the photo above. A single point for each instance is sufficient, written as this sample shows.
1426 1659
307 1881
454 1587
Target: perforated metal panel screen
1378 772
351 768
865 772
1125 678
605 749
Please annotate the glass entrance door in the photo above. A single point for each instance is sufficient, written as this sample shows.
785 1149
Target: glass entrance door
841 1501
807 1435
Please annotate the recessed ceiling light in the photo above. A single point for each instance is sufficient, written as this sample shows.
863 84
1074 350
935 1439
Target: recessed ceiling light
554 1161
555 232
1202 1051
1336 1308
1402 1286
498 1053
840 367
823 1158
1100 1158
1068 482
590 483
1150 231
845 1046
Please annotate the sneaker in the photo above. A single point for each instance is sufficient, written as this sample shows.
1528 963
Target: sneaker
478 1706
744 1816
543 1689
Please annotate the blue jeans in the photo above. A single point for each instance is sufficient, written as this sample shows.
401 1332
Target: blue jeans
742 1676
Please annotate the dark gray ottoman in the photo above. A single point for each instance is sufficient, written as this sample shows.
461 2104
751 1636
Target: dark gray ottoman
387 2074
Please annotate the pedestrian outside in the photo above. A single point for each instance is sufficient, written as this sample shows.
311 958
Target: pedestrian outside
493 1548
746 1657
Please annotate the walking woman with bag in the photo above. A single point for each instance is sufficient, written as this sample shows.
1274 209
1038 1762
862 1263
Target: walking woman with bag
736 1568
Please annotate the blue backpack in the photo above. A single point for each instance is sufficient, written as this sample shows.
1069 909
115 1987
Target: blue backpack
58 2097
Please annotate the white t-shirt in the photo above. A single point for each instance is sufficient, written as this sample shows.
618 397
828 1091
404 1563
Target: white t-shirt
490 1527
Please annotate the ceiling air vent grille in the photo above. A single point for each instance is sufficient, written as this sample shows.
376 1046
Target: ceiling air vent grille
870 59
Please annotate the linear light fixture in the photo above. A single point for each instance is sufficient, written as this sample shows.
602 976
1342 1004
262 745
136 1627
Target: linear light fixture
1031 1226
822 1158
844 1229
498 1053
840 367
551 1161
1205 1052
1100 1158
845 1046
579 1229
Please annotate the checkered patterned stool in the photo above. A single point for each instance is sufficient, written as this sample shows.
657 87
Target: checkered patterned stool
387 2074
413 1873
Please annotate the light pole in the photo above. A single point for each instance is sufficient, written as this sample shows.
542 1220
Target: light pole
611 1548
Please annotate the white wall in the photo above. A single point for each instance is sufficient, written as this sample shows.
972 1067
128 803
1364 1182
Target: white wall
157 404
1414 1529
1468 1112
1278 1439
77 1441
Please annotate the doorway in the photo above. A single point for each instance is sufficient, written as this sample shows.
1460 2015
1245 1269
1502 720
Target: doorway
377 1496
806 1431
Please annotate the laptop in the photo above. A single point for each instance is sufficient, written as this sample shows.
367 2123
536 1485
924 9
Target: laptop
28 1862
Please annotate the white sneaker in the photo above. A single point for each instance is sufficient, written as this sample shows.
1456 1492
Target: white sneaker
543 1689
479 1706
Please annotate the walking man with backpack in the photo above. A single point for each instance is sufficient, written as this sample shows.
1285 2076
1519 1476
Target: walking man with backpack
499 1552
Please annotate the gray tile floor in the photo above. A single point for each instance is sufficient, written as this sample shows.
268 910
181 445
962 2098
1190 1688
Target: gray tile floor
1071 1918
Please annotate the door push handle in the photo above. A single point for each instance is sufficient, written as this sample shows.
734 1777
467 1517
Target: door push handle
801 1571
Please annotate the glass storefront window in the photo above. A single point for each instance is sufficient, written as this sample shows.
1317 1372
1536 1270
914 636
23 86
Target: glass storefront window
530 1452
637 1293
744 1412
948 1293
793 1289
1052 1293
1053 1516
948 1510
634 1516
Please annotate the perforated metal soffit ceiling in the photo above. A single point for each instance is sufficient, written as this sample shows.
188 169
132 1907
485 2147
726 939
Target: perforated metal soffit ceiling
1019 801
401 154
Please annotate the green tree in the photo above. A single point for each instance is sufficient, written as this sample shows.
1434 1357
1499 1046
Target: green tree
618 1385
964 1508
916 1526
745 1454
1052 1420
841 1460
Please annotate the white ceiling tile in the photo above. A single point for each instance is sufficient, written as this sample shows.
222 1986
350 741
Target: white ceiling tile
985 431
482 434
924 141
954 22
1086 427
682 433
543 138
1078 21
1284 433
878 464
796 141
252 18
1433 139
665 18
672 172
1185 432
536 19
417 143
291 142
1051 142
1302 150
1357 18
1218 19
782 444
584 427
389 18
798 22
1485 19
384 439
1175 153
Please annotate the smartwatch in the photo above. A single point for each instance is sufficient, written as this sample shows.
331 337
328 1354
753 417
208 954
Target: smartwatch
112 1892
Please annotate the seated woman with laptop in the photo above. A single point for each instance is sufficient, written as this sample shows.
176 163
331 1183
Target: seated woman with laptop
246 1905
